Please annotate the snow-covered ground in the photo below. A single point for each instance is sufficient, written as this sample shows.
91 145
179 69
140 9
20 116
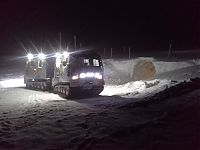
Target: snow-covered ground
126 115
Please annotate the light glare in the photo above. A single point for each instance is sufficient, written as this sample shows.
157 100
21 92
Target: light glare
89 74
82 75
58 55
65 54
74 77
30 56
41 56
19 82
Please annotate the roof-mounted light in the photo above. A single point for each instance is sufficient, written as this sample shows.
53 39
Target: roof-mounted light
65 54
41 56
58 55
30 56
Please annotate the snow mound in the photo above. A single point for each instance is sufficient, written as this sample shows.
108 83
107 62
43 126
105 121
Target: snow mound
137 89
131 87
149 84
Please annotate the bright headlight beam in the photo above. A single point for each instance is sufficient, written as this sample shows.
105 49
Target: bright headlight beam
30 56
82 75
65 54
96 75
89 74
41 56
58 55
74 77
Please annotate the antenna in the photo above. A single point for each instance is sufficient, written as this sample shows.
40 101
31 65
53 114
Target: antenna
60 42
75 42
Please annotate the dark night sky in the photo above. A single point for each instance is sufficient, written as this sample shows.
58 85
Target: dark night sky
143 24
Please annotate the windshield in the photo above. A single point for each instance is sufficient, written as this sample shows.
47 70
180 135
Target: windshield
82 61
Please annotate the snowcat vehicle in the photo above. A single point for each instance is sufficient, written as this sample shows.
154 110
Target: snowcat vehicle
66 74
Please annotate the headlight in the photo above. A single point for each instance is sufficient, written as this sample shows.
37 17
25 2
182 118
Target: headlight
82 75
41 56
89 74
75 77
30 56
98 75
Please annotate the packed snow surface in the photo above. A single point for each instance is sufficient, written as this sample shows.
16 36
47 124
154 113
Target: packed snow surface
126 115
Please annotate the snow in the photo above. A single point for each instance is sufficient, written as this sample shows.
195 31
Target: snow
121 71
158 112
19 82
137 89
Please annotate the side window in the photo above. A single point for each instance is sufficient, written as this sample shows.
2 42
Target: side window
86 62
40 64
96 62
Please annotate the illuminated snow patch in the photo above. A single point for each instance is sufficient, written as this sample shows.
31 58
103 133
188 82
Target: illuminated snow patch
130 87
19 82
137 88
42 98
